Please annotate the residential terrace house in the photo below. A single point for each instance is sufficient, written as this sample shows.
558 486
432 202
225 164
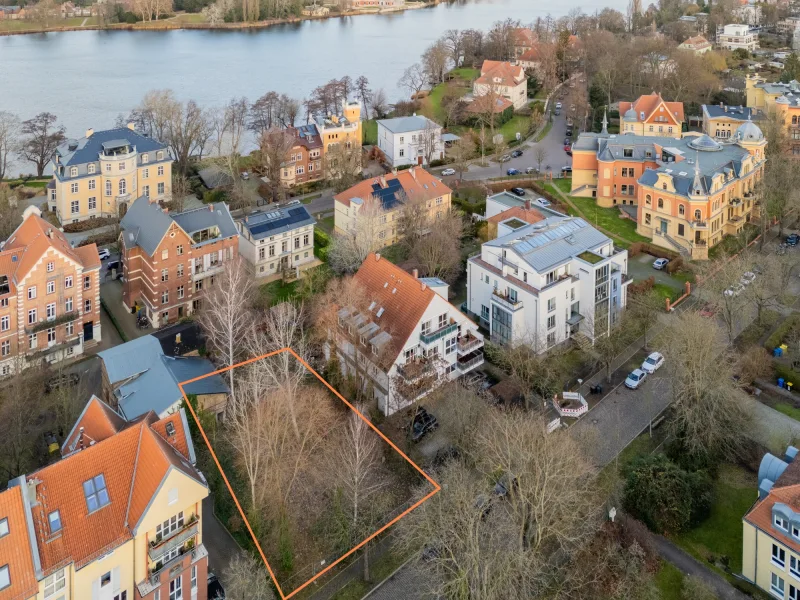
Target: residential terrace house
101 174
650 115
304 163
169 259
502 79
382 199
279 243
119 517
771 528
49 296
545 278
406 339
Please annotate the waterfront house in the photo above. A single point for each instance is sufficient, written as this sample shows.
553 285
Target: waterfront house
502 79
414 140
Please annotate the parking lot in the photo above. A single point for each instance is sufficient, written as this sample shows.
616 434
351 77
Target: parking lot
640 267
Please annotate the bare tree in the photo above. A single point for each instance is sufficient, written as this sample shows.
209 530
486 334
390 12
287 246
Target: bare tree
726 293
10 129
438 253
10 211
179 192
247 579
644 309
454 42
41 137
364 93
342 163
429 142
461 152
540 156
349 249
225 315
380 103
275 145
20 430
435 61
413 79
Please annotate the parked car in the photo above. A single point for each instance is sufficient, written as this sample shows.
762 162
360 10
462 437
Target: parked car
569 132
516 153
567 142
505 158
114 264
293 202
104 253
792 239
215 589
660 263
530 170
512 172
543 202
64 380
748 278
423 423
734 290
567 147
653 363
518 191
448 172
245 175
569 151
635 379
566 171
557 111
558 105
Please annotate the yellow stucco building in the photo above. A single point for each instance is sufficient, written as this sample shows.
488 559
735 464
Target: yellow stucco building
784 99
119 517
100 174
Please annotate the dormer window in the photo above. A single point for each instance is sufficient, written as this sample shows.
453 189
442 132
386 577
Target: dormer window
145 158
664 186
170 429
73 172
91 168
780 523
627 152
160 155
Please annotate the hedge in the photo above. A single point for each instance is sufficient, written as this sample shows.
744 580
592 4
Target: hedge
779 335
88 224
653 250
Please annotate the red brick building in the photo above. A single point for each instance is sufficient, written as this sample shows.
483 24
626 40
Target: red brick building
49 295
168 260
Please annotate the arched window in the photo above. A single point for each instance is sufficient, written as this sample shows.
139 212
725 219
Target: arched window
698 215
794 120
660 203
681 209
648 200
123 187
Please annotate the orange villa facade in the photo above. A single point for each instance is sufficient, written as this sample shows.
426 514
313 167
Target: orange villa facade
688 192
651 115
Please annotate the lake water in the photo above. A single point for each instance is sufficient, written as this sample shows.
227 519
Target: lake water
87 78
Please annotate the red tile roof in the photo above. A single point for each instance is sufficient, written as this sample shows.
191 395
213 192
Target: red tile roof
529 215
534 54
495 72
481 104
417 183
523 37
15 548
397 295
98 421
649 105
133 462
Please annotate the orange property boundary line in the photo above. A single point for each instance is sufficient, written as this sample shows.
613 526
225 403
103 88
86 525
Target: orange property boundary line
436 486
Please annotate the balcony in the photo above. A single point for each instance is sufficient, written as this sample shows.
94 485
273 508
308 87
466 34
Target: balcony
469 363
468 343
506 301
171 569
175 539
508 263
53 322
699 224
429 338
415 370
735 201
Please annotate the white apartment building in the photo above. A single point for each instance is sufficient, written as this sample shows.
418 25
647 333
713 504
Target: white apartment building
733 37
274 242
407 339
542 283
413 140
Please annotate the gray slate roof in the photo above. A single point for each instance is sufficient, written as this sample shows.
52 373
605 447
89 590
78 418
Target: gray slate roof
214 177
151 378
89 148
549 243
407 124
740 113
261 225
145 223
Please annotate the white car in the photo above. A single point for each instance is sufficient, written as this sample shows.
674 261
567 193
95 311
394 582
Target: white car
104 253
543 202
734 290
558 105
660 263
748 278
653 363
448 172
635 379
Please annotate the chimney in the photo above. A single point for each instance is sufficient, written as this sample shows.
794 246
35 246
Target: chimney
80 438
527 204
89 132
132 126
383 181
726 109
413 172
415 273
721 104
211 206
377 256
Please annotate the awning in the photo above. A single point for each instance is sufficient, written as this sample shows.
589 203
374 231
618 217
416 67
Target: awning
450 137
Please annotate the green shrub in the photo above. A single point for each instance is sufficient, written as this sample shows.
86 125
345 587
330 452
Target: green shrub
789 326
214 196
665 497
675 265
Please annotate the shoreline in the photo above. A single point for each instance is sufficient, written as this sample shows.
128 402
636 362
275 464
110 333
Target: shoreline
172 25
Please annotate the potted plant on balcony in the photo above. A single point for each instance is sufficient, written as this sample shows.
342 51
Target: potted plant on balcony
189 545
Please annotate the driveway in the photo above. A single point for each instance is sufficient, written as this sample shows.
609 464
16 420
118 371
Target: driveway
641 267
111 294
219 543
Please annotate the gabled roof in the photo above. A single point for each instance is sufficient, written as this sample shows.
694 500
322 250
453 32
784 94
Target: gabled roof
528 215
144 379
697 41
482 104
16 550
522 36
265 224
398 300
96 422
785 491
507 74
32 239
211 215
412 184
88 150
133 463
650 104
533 54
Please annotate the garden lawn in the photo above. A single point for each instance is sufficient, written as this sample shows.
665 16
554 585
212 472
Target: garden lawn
370 132
278 291
517 124
327 224
466 73
669 581
721 534
608 219
788 410
434 101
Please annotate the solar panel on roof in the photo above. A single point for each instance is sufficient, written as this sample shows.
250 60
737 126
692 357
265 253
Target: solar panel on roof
295 215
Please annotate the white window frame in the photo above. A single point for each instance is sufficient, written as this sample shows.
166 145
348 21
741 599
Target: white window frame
778 556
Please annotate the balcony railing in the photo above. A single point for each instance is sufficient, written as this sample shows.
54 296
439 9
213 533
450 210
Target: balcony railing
699 224
413 371
473 362
172 541
53 322
506 301
467 344
429 338
508 263
170 570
